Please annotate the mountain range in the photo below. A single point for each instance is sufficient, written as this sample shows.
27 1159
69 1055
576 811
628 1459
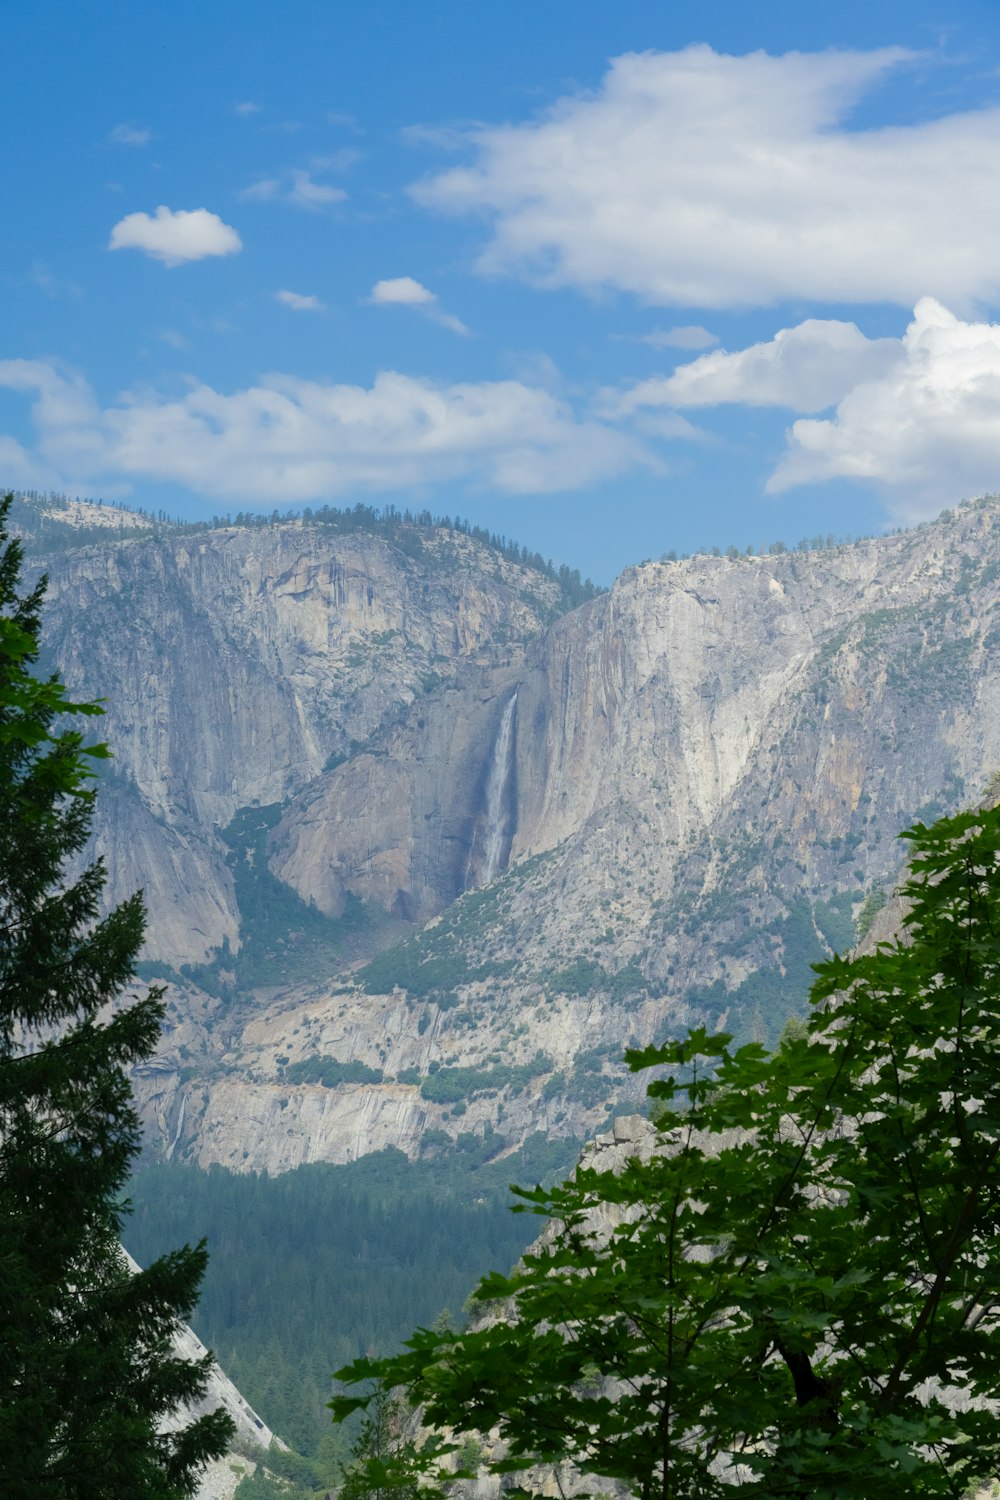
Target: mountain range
431 831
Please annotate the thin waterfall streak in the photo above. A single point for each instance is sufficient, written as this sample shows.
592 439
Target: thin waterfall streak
498 795
470 863
180 1127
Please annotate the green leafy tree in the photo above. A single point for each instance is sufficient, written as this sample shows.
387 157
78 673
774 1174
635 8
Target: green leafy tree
378 1437
797 1295
87 1372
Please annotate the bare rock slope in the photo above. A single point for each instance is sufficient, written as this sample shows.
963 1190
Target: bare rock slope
435 854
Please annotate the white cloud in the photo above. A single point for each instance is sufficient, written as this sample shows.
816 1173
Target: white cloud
299 440
174 237
261 191
692 178
130 135
246 107
672 427
806 368
405 291
927 430
18 466
299 303
306 193
448 320
533 367
298 187
690 336
402 291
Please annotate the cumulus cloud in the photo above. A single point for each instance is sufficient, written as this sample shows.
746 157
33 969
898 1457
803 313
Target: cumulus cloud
130 135
175 236
927 429
401 291
405 291
806 368
299 303
300 440
693 178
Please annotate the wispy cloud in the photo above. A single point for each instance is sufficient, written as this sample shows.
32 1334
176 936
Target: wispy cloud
175 236
298 187
300 303
345 120
261 191
307 193
691 178
130 135
246 107
405 291
53 286
301 440
689 336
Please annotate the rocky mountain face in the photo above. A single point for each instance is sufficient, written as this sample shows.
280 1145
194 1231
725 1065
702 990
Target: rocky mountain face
238 663
424 855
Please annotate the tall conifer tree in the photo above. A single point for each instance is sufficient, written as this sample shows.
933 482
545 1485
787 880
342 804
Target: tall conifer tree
87 1370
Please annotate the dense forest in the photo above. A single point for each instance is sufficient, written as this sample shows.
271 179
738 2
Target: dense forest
313 1268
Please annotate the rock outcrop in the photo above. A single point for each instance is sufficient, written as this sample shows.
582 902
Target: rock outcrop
252 1435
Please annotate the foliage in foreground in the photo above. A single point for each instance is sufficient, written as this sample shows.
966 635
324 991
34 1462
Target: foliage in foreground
87 1372
798 1285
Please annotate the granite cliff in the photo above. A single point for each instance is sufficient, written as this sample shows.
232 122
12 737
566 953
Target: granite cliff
424 850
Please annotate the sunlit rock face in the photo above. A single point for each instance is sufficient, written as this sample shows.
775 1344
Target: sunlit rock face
585 830
237 663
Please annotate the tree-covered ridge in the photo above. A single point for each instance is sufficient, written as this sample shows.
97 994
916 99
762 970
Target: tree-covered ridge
36 515
410 531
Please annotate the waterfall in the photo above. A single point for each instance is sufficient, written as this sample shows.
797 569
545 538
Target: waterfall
180 1126
497 813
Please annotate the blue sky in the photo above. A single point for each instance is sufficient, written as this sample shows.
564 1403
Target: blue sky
611 279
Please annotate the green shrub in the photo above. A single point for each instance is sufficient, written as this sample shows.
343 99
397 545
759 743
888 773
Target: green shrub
329 1072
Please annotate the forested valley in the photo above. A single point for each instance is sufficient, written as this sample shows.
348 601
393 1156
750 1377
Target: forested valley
311 1269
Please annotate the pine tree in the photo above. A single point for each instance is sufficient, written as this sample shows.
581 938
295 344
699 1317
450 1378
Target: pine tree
87 1372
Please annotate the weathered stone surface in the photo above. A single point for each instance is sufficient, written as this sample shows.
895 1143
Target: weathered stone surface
236 663
700 759
396 826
